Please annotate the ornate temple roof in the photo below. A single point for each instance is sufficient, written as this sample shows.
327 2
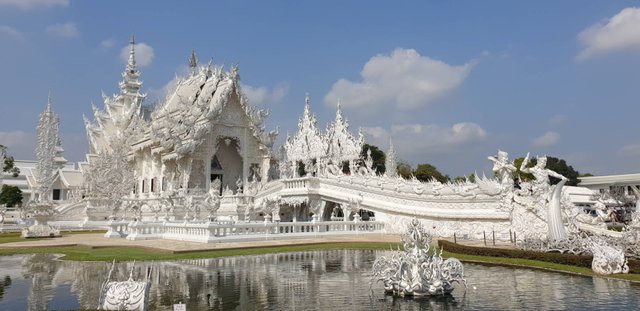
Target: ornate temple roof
194 106
181 121
342 146
308 143
121 121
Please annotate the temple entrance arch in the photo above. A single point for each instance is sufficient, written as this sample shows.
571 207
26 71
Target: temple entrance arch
226 163
217 172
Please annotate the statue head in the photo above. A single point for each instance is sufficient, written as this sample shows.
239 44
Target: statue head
503 156
542 162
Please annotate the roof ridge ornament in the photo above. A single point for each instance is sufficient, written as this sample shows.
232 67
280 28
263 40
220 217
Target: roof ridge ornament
193 61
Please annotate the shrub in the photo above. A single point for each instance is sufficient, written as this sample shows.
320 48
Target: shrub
565 259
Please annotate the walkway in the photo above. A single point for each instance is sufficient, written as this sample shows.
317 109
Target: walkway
98 240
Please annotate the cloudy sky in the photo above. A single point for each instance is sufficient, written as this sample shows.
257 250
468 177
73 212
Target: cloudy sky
450 83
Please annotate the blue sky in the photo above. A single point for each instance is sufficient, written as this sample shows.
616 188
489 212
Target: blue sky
450 82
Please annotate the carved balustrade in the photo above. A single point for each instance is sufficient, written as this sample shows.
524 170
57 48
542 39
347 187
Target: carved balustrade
209 232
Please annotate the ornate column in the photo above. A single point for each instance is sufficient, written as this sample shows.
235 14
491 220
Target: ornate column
264 169
245 160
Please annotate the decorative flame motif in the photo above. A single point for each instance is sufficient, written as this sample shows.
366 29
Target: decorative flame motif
415 272
126 295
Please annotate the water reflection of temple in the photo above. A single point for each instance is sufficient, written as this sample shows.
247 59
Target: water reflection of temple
320 280
245 282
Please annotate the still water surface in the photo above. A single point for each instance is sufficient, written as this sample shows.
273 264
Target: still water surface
315 280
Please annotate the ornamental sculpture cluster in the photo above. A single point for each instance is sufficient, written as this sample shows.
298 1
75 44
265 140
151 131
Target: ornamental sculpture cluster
415 271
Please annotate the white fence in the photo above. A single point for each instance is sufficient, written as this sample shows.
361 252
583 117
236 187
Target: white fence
210 232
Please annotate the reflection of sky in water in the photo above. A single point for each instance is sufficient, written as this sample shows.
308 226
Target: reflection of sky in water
316 280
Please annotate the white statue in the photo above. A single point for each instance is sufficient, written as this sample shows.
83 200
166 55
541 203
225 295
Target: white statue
212 200
503 168
541 192
540 186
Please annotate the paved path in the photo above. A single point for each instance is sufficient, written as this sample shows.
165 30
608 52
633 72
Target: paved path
97 240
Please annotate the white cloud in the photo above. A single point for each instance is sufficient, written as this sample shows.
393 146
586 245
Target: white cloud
630 150
558 119
404 80
420 139
11 32
144 54
66 30
107 44
547 139
34 4
620 32
262 95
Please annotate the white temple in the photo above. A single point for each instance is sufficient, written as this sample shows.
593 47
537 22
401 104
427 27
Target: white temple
202 166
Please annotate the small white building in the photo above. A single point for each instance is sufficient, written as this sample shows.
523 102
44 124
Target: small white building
607 183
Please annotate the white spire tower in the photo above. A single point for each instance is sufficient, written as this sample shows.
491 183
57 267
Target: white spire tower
121 120
391 162
48 151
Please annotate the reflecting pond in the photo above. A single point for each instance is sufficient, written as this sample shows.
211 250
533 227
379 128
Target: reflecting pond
314 280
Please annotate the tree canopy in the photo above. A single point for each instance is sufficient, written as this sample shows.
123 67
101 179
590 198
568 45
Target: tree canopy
10 195
404 169
426 172
377 156
8 164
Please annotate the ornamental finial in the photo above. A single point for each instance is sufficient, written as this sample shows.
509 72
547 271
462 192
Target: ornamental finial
49 102
193 59
131 64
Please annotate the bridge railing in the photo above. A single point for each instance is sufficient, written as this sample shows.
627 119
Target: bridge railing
209 232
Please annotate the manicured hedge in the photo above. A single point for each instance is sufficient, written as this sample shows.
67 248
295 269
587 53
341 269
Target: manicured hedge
565 259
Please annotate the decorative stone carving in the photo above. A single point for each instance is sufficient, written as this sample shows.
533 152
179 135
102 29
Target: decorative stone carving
415 272
125 295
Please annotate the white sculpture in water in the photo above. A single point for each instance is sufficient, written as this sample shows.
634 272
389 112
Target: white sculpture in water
125 295
415 272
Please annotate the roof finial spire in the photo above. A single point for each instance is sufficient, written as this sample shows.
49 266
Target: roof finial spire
131 64
49 102
193 59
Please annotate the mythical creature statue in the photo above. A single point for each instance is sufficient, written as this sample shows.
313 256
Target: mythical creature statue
212 200
540 187
503 169
415 272
543 195
607 258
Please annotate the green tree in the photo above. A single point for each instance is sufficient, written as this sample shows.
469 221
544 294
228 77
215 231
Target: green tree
7 166
10 195
519 174
585 175
561 167
426 172
404 169
471 178
377 156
